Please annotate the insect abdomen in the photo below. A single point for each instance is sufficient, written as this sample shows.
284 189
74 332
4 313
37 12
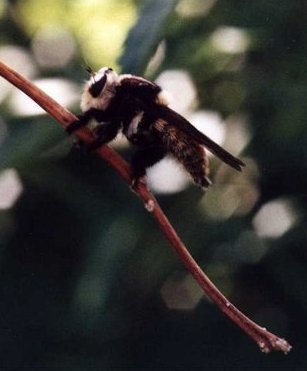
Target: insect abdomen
186 150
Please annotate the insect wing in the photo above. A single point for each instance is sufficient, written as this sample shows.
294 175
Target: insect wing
181 123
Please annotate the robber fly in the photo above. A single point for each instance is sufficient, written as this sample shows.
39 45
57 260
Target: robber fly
139 109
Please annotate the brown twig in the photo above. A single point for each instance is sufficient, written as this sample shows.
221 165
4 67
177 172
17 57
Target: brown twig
265 339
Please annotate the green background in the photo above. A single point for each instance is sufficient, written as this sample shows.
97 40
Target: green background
87 281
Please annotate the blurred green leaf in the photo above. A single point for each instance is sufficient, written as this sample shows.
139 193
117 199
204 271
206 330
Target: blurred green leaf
144 36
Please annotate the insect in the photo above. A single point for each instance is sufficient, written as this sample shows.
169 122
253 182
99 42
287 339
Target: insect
139 109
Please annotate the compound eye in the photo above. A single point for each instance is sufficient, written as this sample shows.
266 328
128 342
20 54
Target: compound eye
97 87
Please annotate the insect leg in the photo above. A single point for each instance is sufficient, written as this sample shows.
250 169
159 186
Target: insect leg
104 133
84 118
144 158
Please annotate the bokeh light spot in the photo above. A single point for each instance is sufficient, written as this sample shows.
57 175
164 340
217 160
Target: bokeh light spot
18 59
181 293
63 91
194 8
167 177
209 123
233 193
275 218
10 188
249 248
175 82
53 46
230 40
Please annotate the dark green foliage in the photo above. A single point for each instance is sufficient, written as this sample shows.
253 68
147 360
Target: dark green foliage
83 263
144 36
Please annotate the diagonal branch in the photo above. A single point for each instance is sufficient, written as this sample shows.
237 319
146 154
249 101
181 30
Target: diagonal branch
265 339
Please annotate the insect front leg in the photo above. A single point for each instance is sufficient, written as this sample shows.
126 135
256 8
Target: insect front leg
104 133
144 158
84 118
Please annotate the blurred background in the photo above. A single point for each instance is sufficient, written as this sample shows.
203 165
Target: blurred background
87 280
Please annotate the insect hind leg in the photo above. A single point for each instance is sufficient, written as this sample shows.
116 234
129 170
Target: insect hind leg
144 158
